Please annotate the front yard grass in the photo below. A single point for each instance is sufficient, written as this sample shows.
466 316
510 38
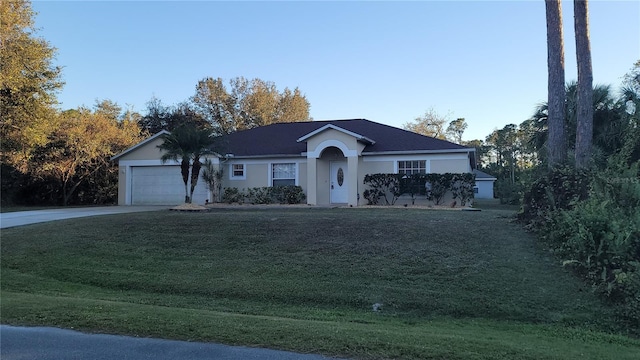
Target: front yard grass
452 284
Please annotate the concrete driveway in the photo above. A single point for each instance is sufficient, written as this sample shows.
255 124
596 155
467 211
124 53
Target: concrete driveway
20 218
44 343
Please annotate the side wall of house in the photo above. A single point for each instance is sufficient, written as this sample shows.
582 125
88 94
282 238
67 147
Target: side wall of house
485 189
434 163
258 172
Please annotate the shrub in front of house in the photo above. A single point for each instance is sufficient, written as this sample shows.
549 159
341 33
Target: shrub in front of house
233 195
259 195
288 194
385 189
382 187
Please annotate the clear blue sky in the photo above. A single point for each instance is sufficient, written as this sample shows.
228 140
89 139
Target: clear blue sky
385 61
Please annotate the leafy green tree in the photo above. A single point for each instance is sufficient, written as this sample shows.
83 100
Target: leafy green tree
556 143
482 151
188 144
82 146
505 143
455 130
610 122
28 84
164 117
430 124
631 82
247 104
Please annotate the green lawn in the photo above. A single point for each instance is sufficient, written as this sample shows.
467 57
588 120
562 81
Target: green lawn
452 284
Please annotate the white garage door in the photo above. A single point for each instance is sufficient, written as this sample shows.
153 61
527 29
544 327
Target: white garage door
162 185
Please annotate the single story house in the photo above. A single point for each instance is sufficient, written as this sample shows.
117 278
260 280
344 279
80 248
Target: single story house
328 159
484 185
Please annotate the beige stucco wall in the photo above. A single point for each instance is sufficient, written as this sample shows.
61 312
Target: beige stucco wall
302 176
145 152
256 175
148 151
122 181
258 172
333 135
375 167
449 166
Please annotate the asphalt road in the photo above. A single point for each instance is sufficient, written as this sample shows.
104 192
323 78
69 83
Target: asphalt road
42 343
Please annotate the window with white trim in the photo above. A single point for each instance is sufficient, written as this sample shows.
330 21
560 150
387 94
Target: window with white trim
237 171
410 167
283 174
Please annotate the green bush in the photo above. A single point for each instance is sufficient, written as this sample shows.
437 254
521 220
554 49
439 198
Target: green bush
382 186
462 187
600 239
233 195
289 194
508 192
437 187
389 187
259 195
559 189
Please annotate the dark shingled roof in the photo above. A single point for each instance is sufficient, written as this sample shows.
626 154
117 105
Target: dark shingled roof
281 138
481 175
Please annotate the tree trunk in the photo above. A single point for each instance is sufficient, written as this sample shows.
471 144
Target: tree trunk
195 173
184 169
556 143
584 125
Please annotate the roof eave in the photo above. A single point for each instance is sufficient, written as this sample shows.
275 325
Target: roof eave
263 156
358 137
409 152
140 144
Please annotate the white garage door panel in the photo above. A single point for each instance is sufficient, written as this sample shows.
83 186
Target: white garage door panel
162 185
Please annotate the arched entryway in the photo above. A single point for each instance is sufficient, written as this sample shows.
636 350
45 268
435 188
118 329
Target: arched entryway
332 168
334 165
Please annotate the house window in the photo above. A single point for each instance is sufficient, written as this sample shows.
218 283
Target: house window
237 171
283 174
412 167
475 190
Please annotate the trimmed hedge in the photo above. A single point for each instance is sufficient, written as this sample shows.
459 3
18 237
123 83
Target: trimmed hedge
389 187
289 194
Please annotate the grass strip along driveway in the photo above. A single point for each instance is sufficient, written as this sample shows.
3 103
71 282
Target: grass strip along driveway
448 284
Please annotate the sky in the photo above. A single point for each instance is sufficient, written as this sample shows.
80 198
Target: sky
390 62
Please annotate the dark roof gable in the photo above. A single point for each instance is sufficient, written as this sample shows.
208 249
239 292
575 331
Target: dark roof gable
281 138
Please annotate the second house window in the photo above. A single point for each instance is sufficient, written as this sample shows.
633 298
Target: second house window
237 171
283 174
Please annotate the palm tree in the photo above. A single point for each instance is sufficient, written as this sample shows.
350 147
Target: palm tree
609 124
187 143
202 143
556 147
584 125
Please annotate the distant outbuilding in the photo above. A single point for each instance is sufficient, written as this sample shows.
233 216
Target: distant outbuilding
484 185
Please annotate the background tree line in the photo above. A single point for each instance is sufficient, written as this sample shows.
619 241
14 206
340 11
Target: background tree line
58 157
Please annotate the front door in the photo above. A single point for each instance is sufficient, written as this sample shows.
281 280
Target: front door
338 182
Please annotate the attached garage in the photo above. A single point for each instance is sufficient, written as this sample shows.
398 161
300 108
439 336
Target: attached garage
145 180
162 185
